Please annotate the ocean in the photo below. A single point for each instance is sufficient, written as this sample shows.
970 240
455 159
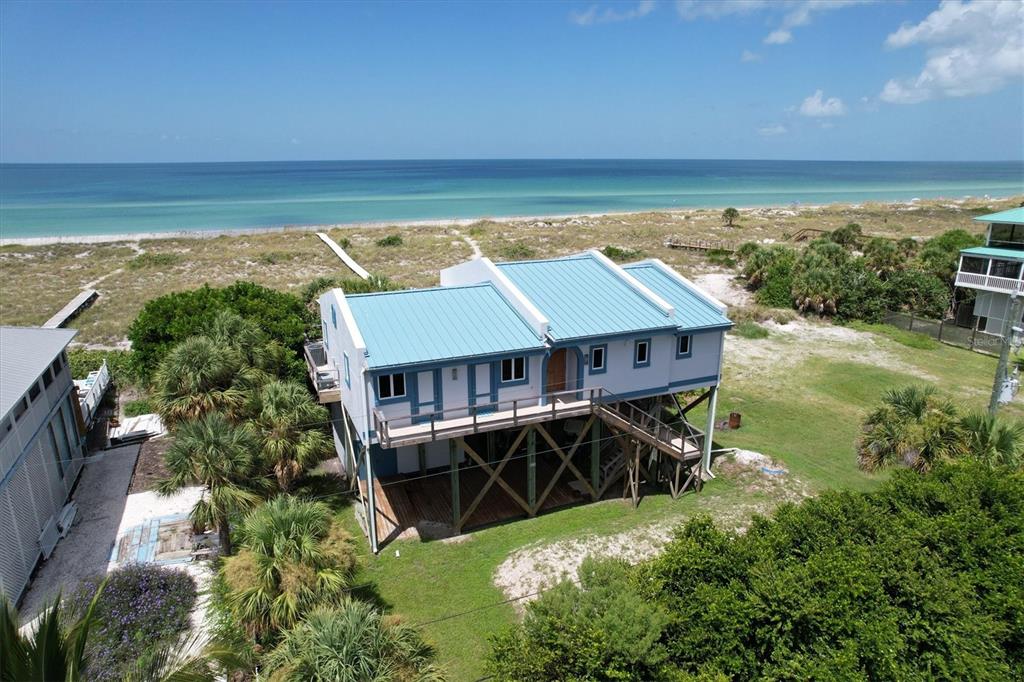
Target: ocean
53 200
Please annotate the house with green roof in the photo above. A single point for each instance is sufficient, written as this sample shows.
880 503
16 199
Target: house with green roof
515 388
995 271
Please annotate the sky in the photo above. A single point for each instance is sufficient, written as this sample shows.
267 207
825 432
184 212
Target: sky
749 79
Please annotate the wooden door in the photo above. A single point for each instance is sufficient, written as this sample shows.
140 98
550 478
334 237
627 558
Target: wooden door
555 379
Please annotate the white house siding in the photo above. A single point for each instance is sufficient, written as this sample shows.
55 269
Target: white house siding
705 361
339 341
32 489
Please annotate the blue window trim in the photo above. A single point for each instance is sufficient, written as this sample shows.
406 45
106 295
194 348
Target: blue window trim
334 316
348 373
689 346
397 399
590 359
636 348
515 382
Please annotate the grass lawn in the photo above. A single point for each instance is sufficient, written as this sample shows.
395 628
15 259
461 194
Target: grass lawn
806 416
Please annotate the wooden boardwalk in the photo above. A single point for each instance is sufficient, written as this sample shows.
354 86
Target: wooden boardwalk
403 503
701 244
75 306
347 259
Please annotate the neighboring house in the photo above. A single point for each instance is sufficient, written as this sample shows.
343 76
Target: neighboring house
578 353
41 448
994 270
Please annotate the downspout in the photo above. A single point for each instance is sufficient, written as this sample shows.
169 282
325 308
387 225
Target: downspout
709 432
371 521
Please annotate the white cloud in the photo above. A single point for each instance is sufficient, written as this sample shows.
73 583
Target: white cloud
817 106
973 48
772 130
794 13
594 14
748 56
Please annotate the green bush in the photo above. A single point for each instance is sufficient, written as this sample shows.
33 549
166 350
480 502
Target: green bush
750 330
721 257
275 257
919 292
776 291
517 251
174 317
153 260
121 363
602 630
619 254
133 408
350 285
746 249
390 240
920 580
849 235
940 255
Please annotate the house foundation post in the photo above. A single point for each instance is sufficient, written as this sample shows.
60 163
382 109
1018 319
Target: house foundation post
531 469
453 457
595 456
709 431
371 496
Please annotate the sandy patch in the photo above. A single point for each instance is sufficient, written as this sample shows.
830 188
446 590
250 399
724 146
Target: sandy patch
724 287
535 567
793 343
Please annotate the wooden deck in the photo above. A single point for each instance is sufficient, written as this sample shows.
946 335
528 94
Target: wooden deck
414 506
83 300
394 433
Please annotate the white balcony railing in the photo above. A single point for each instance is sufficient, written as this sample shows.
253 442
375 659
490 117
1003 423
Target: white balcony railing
991 282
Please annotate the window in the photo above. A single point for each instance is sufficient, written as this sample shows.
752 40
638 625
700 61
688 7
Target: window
47 378
56 367
513 369
1005 268
20 409
642 353
348 376
5 429
598 359
683 346
390 386
63 446
334 316
977 266
33 392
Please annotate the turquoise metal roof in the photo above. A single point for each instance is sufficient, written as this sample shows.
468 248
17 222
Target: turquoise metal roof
693 311
993 252
420 326
1014 216
583 297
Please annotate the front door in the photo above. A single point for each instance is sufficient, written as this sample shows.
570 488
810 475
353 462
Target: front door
555 379
426 396
481 388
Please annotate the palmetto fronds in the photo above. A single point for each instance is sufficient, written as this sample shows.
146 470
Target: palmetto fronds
995 442
199 376
294 558
913 427
52 650
352 642
291 430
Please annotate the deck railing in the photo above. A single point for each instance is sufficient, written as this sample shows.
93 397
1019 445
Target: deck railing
95 386
322 373
649 428
482 417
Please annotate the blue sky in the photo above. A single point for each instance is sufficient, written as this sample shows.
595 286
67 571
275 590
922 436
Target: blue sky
792 79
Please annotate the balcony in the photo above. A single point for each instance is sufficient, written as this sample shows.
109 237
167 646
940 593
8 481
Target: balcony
322 373
974 280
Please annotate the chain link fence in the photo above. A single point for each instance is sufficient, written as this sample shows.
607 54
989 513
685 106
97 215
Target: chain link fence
946 331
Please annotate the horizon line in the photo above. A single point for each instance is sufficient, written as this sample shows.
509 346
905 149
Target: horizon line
501 159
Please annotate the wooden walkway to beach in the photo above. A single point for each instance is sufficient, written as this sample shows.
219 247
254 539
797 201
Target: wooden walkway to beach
701 244
347 259
77 304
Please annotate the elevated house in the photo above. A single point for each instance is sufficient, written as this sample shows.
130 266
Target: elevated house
43 420
517 387
995 271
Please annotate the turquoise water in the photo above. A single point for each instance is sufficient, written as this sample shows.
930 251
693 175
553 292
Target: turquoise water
38 200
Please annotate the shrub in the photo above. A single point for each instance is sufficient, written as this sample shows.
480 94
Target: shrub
602 630
883 256
121 364
940 255
746 249
750 330
776 289
616 253
141 607
153 260
721 257
849 235
390 240
760 313
917 291
517 251
729 215
134 408
275 257
350 285
172 318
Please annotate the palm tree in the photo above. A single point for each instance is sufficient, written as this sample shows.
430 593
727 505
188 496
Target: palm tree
291 430
196 377
218 455
294 557
993 441
816 283
729 215
914 427
352 642
54 648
